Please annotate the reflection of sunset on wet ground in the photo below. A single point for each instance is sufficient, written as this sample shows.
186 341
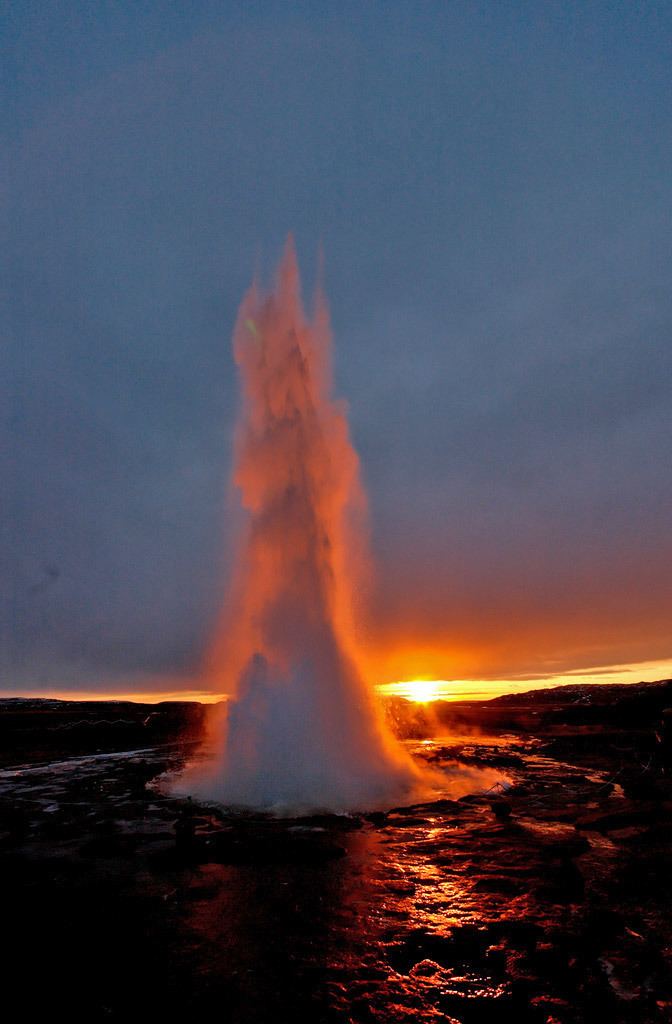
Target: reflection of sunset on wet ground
497 906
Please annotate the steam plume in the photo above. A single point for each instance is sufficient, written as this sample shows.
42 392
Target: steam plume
304 730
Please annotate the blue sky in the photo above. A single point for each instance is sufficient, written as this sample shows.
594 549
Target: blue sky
491 185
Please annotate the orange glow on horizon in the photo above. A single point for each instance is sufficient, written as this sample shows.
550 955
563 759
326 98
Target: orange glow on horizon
134 696
420 691
427 689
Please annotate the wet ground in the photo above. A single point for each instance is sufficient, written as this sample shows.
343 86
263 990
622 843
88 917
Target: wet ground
548 902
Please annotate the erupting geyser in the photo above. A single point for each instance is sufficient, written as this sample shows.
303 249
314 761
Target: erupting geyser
304 730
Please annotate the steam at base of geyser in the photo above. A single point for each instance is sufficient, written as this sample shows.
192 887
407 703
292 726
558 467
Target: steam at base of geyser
286 749
304 731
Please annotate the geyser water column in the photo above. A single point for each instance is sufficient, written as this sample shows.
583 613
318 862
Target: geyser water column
304 730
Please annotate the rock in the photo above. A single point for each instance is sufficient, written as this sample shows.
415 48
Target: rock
499 883
564 884
394 821
424 969
377 817
606 821
501 809
572 846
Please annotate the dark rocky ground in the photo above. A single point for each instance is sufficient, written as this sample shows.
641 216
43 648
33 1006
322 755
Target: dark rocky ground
34 731
548 903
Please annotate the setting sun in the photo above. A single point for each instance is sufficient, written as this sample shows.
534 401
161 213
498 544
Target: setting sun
422 691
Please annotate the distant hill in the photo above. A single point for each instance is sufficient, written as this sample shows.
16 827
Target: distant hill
590 693
42 729
601 706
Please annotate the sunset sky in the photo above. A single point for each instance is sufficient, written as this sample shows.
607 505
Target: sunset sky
490 183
